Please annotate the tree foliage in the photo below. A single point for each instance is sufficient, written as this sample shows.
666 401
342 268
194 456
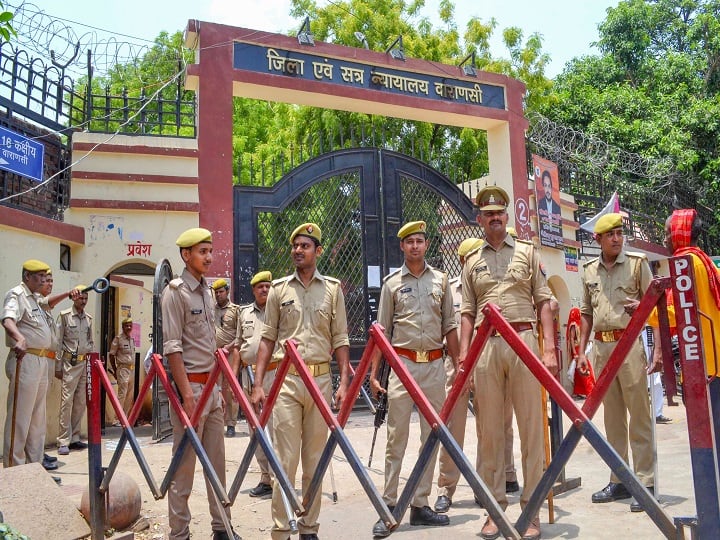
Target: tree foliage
654 88
6 28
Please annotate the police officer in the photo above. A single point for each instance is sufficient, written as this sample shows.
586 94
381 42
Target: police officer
226 324
252 318
189 344
29 337
122 363
613 284
508 273
75 335
310 309
449 473
416 310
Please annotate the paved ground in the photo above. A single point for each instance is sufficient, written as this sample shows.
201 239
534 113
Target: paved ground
352 516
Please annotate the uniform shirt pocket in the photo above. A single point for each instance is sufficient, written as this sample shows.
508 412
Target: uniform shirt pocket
289 313
407 298
518 272
248 329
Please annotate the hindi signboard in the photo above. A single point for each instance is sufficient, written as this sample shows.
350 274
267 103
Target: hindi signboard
21 155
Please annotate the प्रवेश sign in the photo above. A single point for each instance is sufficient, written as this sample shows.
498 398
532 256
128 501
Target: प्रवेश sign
21 155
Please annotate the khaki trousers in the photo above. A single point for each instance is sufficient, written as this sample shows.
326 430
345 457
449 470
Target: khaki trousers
231 404
30 414
72 402
501 375
628 394
263 463
449 474
124 376
299 432
430 377
210 431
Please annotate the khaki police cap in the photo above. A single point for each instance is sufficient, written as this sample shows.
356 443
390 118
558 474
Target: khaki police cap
492 198
413 227
192 237
127 320
261 277
307 229
512 232
33 265
219 284
607 223
468 245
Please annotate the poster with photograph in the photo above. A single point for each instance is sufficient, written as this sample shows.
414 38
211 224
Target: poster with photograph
547 194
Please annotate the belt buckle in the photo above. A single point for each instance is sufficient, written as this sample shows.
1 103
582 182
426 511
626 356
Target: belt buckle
421 357
608 335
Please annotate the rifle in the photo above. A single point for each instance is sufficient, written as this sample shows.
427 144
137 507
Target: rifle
381 408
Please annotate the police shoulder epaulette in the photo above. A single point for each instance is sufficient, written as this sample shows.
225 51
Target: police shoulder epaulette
591 261
66 311
636 254
391 274
283 279
521 241
332 279
175 283
454 280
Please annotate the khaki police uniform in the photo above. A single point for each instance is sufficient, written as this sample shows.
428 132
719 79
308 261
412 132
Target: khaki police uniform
512 278
416 312
449 474
21 305
226 324
251 320
188 311
123 347
314 317
75 334
605 292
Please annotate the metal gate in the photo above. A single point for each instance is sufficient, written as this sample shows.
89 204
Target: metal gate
359 198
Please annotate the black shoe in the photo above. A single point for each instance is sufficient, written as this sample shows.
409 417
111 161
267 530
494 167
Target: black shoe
660 419
78 445
512 487
49 459
380 530
57 479
49 465
424 515
443 504
261 490
611 492
635 506
223 535
309 536
230 433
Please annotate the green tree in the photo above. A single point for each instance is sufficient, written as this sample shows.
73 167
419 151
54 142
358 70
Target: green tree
6 28
654 89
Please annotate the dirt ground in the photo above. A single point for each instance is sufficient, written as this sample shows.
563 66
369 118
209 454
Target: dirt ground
352 516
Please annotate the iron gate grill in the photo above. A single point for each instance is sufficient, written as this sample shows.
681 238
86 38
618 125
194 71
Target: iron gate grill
334 205
446 228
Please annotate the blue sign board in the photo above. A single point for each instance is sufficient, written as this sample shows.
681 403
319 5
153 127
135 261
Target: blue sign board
21 155
310 67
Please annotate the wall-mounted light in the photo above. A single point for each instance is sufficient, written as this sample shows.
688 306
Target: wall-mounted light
469 70
396 49
362 39
305 36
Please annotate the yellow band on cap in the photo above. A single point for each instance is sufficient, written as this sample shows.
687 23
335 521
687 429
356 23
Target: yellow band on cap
219 284
194 236
261 277
607 223
307 229
33 265
413 227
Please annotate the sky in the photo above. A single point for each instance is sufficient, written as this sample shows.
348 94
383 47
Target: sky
568 27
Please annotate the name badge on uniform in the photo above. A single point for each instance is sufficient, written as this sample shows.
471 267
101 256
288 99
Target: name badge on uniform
288 303
481 269
195 311
406 289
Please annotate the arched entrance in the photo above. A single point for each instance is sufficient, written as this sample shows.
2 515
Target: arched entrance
359 198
